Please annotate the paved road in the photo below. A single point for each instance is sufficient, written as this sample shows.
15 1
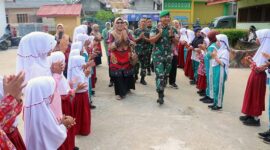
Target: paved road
182 123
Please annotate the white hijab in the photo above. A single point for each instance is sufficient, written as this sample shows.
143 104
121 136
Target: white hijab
190 35
264 37
223 52
40 128
79 29
82 38
76 45
205 31
76 74
183 35
63 88
32 54
1 88
74 52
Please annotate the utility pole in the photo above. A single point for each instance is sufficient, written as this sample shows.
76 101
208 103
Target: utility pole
3 23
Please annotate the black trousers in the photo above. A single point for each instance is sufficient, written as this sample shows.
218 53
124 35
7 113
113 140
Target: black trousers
173 72
109 61
123 84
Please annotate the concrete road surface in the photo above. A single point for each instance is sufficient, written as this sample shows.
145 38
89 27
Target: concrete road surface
182 123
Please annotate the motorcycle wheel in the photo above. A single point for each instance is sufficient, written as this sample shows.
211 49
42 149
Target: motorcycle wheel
4 46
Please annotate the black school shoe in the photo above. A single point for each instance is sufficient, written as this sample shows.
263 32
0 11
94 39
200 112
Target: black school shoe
244 118
110 84
93 93
174 86
211 106
192 82
204 98
202 94
252 122
216 108
200 91
92 106
264 134
266 140
76 148
208 101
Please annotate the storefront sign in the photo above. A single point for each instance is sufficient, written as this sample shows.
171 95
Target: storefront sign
137 17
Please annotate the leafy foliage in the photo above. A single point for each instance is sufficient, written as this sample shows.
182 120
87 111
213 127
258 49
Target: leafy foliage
233 34
104 15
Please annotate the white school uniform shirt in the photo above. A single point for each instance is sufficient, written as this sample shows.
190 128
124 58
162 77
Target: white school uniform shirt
76 72
264 37
223 53
40 127
32 56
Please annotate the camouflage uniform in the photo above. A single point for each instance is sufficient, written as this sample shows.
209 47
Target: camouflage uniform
162 56
142 50
150 49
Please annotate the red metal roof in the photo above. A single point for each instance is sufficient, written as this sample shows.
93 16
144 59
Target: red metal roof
60 10
213 2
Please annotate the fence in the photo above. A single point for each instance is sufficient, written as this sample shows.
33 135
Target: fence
25 28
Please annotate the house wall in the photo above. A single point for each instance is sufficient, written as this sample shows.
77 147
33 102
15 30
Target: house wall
90 5
144 5
208 13
3 22
200 10
12 14
69 23
247 3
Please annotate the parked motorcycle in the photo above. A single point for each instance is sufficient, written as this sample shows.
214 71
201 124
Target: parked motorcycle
8 41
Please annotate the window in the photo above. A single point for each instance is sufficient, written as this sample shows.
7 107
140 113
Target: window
258 13
224 23
22 18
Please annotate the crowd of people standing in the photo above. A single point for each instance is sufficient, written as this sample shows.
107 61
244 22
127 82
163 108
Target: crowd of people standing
58 74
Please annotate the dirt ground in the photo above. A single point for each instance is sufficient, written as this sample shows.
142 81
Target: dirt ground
182 123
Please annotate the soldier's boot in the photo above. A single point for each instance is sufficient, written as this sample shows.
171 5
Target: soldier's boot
165 82
143 82
149 71
152 67
160 97
136 77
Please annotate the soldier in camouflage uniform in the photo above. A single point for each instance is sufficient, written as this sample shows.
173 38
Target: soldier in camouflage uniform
163 38
150 46
142 49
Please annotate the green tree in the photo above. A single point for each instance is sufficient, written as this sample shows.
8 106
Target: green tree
104 15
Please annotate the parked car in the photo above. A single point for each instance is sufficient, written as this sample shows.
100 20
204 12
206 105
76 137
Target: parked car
223 22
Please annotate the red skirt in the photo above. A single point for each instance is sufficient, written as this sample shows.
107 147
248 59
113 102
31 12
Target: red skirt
188 66
67 109
82 113
254 99
16 138
181 59
201 83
